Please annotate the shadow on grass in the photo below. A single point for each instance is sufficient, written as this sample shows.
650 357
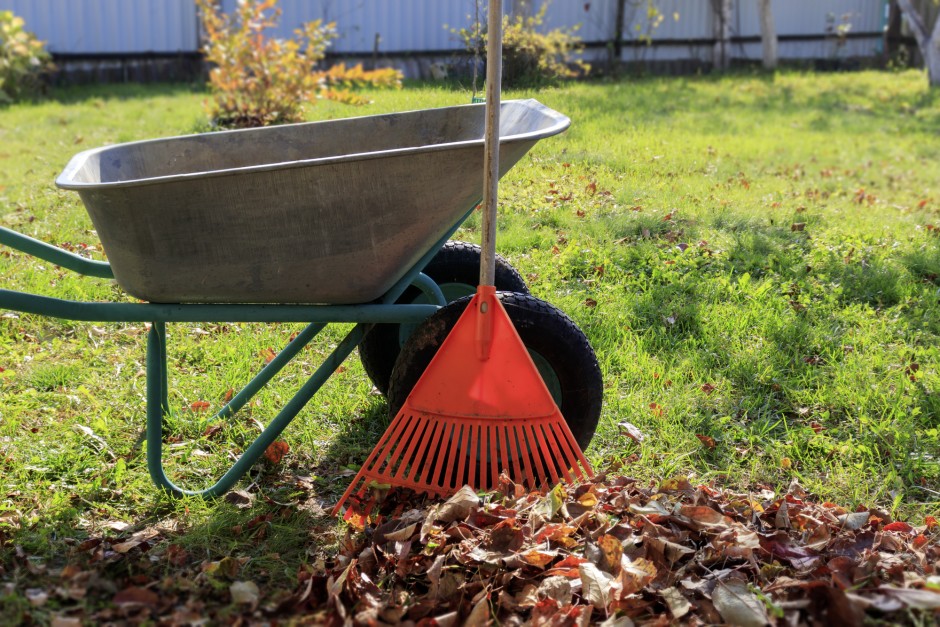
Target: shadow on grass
267 538
348 450
810 303
270 537
84 564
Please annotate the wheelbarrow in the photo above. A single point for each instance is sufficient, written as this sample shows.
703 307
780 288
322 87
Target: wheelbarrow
344 221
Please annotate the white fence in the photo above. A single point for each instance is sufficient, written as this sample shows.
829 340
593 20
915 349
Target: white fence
423 27
110 26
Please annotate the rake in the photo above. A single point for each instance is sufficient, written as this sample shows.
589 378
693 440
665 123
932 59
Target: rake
481 408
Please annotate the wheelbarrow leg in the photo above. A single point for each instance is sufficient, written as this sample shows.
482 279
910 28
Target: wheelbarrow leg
161 368
157 408
158 405
267 373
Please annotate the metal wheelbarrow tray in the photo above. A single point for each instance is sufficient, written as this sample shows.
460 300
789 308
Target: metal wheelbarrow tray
318 223
323 212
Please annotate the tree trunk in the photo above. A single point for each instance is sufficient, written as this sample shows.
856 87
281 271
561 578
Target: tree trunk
722 25
768 34
927 41
618 30
932 60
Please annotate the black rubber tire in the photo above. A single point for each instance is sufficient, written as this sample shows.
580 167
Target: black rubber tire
545 330
455 263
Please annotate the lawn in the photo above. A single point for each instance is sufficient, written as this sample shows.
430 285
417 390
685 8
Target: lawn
755 260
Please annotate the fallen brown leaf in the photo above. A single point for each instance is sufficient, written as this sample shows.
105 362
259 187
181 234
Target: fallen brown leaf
136 596
631 431
276 451
706 440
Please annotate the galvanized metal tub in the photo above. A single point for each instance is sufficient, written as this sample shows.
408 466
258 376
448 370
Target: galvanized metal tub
323 212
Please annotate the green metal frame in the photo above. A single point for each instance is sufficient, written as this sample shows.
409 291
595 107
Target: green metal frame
158 408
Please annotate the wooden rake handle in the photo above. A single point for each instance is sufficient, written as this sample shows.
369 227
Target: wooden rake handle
494 75
486 298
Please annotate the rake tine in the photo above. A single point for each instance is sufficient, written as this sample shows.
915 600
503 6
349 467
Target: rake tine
571 459
548 468
420 458
525 454
493 460
404 435
387 446
461 461
474 461
415 435
432 443
453 458
504 441
486 470
576 452
555 453
561 454
510 453
359 483
346 495
377 452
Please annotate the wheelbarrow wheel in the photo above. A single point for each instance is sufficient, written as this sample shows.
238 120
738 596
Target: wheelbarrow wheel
456 270
560 350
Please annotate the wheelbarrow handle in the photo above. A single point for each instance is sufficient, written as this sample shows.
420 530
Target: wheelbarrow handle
54 254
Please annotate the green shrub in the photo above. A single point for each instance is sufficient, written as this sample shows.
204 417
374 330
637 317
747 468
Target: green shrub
530 57
23 59
256 81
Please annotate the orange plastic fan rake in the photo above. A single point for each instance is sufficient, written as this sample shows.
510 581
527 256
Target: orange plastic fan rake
479 409
481 406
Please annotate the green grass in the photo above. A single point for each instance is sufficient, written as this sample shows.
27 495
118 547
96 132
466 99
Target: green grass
662 223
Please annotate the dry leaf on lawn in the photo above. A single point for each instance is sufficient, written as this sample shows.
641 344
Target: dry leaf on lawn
738 605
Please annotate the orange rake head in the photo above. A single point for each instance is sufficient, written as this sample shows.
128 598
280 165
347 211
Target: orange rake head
480 408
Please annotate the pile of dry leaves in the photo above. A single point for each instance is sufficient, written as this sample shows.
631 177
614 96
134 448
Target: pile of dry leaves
614 552
610 551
